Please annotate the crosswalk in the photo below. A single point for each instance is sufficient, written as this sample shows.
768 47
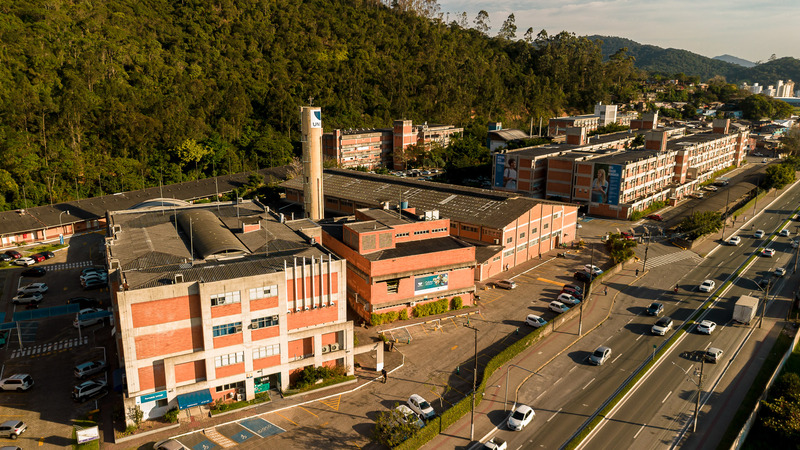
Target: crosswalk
65 266
43 349
673 257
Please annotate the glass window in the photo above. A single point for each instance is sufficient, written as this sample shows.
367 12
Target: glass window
263 322
226 298
228 328
263 292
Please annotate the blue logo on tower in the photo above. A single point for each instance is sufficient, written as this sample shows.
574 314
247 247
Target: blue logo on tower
316 119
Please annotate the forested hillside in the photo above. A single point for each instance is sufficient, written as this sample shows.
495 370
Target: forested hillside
671 61
112 95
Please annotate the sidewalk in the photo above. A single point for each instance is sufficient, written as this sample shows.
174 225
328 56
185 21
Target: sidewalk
595 312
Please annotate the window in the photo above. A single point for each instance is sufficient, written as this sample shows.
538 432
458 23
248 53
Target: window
508 253
534 230
264 322
438 230
229 386
398 235
392 286
496 258
163 403
417 233
269 350
228 328
545 226
263 292
522 235
226 298
556 214
508 241
229 359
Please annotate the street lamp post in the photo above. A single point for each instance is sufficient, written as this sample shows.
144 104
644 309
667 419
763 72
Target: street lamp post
508 370
61 224
474 386
764 303
587 286
699 384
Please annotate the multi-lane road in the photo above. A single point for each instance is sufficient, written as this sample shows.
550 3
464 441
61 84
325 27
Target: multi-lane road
568 390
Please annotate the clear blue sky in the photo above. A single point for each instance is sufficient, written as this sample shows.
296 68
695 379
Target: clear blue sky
749 29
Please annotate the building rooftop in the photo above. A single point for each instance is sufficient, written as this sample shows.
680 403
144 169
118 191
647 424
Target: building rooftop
493 209
626 157
509 134
201 243
693 139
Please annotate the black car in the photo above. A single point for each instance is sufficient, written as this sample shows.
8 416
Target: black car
5 257
47 255
14 254
34 272
574 287
85 302
572 292
95 283
586 277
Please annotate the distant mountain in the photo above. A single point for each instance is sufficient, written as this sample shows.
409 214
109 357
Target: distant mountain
734 60
672 61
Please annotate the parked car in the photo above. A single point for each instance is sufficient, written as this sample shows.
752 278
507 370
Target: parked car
420 406
12 429
594 270
91 269
558 307
655 309
168 444
706 327
713 355
780 271
711 188
506 284
572 292
88 389
661 326
86 322
785 232
88 369
734 240
14 254
25 261
574 287
568 299
409 416
34 272
41 288
600 355
768 252
628 236
707 286
656 217
520 417
94 276
85 302
48 255
759 234
535 321
584 276
26 299
18 382
94 284
795 242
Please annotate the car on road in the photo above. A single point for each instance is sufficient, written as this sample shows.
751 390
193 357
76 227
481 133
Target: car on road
26 299
25 261
594 270
600 355
707 286
655 309
711 188
535 321
795 242
785 232
12 429
495 443
584 276
572 292
568 299
506 284
768 252
89 389
765 160
34 272
706 327
41 288
780 271
656 217
661 326
713 355
558 307
759 234
168 444
79 321
14 254
18 382
88 369
421 406
520 417
734 240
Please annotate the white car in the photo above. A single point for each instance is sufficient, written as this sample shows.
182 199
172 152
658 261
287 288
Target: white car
420 406
27 298
661 327
600 355
768 252
734 240
795 242
520 417
86 322
25 261
168 444
409 416
558 307
535 321
33 288
706 327
594 270
707 286
567 299
780 271
785 232
759 234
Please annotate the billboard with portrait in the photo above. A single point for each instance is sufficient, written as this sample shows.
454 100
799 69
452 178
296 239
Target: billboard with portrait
606 183
506 170
430 283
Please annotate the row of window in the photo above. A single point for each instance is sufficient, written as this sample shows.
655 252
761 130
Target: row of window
419 232
264 322
229 386
229 359
236 327
269 350
228 298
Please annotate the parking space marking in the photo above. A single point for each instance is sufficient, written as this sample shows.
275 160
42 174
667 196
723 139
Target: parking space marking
332 403
290 420
308 411
550 281
41 441
453 347
261 427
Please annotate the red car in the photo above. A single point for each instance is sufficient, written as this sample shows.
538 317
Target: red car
628 236
656 217
38 257
14 254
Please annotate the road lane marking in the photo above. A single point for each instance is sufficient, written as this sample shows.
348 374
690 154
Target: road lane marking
573 368
587 384
640 430
555 414
557 381
537 398
640 336
615 359
665 398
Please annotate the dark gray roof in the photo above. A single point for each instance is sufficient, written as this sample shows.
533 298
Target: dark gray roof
627 157
482 207
509 134
208 234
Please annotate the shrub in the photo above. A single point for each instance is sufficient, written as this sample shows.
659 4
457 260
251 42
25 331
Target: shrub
404 314
172 415
432 308
458 302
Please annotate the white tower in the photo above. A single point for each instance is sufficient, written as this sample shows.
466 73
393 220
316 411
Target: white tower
311 137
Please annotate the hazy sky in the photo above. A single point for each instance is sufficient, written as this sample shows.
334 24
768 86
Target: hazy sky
749 29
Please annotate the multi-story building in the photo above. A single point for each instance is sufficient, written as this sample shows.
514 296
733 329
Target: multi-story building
383 147
221 301
396 260
558 125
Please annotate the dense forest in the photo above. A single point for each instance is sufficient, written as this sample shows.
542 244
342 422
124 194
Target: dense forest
655 59
100 97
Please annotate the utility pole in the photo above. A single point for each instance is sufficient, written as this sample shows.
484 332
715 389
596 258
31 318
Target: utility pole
699 393
587 287
763 308
646 248
474 386
725 217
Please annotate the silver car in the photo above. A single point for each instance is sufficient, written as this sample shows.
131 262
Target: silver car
600 355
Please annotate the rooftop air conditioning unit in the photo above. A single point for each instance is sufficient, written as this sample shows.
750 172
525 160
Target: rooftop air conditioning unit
334 347
326 348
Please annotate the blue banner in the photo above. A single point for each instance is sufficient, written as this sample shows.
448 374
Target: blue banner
152 397
430 283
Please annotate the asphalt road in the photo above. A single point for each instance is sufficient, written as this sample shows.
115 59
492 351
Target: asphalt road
569 390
